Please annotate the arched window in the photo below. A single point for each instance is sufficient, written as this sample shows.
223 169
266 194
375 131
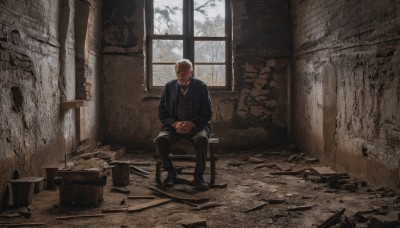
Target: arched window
199 30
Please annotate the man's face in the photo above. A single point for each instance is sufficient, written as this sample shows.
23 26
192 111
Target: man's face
183 73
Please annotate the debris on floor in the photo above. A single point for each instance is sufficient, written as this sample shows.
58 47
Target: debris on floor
279 188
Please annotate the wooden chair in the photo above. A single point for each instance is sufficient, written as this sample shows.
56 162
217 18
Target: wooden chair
212 158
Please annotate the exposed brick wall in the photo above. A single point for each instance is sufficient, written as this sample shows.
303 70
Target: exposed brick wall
346 92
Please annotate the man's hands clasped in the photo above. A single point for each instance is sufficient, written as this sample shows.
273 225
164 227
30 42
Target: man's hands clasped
183 127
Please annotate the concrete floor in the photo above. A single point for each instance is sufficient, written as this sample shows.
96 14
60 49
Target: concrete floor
247 187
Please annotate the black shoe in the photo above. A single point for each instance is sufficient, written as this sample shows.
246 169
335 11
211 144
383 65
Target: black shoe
170 180
199 182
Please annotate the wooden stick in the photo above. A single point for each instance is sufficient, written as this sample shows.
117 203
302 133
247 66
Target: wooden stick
141 197
300 208
139 174
138 169
21 224
112 210
259 206
206 206
150 204
80 216
9 215
334 219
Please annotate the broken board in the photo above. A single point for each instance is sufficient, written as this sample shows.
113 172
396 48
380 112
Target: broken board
324 170
149 204
193 222
179 195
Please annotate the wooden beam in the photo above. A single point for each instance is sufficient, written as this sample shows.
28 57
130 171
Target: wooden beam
72 104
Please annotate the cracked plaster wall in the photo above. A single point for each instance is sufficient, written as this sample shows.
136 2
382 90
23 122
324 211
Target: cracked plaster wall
346 89
37 71
254 114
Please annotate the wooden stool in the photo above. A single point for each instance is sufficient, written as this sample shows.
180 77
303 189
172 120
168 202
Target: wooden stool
23 189
212 158
51 173
120 173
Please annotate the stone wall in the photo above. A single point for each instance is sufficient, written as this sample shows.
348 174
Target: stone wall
253 114
346 88
37 73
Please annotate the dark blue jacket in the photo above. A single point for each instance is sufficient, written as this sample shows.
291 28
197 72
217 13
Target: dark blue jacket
200 104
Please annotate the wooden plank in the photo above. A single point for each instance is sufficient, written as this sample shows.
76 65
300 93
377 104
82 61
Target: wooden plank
265 165
79 216
334 219
300 208
179 195
72 104
138 169
206 206
149 204
22 224
324 170
141 197
193 222
113 210
255 160
259 206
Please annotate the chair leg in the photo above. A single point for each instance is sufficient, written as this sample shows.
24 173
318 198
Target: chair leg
158 172
212 166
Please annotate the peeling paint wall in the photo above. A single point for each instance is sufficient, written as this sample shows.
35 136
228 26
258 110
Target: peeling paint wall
37 73
346 85
254 114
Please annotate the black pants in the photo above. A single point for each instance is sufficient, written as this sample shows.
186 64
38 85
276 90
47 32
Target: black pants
166 139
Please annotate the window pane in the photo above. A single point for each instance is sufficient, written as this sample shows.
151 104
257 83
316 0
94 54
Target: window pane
209 51
163 74
212 75
209 18
167 50
168 17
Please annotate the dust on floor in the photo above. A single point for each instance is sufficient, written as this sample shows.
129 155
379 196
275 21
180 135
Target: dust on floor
263 190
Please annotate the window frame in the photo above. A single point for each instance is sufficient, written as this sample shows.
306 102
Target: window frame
189 40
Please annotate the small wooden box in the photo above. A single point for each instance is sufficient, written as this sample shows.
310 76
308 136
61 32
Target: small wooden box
81 194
